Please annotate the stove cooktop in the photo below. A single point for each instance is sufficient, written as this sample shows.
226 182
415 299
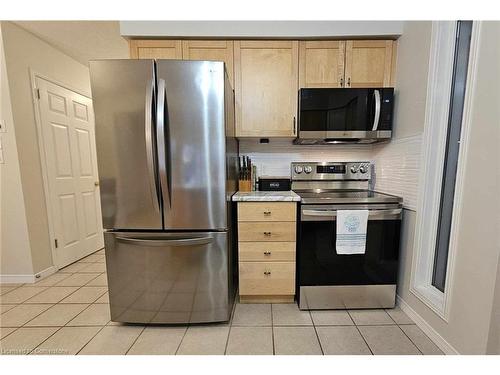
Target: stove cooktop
346 196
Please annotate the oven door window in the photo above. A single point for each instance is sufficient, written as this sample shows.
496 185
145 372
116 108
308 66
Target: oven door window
320 264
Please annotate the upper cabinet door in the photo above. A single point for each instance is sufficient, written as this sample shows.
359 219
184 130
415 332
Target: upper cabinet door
321 63
156 49
368 63
266 83
211 50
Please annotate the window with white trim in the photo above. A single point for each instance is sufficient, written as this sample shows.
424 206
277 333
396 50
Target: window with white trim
442 140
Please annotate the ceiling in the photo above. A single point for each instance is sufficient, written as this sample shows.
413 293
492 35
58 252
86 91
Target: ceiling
82 40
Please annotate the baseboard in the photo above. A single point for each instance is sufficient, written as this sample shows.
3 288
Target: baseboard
17 279
442 344
27 279
45 273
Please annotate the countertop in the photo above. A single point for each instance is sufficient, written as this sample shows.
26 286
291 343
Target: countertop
266 196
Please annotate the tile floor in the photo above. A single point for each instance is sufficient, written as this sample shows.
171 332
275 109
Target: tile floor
68 313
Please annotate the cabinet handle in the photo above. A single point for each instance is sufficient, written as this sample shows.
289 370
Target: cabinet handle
294 126
267 233
349 82
342 82
267 273
267 253
267 213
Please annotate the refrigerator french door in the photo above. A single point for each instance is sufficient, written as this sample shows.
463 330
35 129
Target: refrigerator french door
166 162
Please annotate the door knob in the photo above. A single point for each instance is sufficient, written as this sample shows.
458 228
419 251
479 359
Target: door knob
96 183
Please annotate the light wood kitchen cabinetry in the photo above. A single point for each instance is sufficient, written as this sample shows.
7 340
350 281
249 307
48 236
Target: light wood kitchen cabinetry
211 50
156 49
368 63
351 63
266 251
266 83
266 75
321 63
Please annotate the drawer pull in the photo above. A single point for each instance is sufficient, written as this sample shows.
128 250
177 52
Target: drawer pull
267 253
267 234
267 273
267 213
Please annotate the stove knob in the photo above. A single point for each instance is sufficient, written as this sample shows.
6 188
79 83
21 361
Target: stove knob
363 169
298 169
308 169
354 169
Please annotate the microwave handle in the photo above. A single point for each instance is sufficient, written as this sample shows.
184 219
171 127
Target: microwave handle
376 118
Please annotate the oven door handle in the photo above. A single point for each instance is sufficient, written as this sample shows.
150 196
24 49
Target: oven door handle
320 215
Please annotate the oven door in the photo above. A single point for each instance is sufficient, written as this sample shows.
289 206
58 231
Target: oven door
356 279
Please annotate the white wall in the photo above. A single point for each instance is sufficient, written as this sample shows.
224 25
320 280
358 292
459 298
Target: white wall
24 51
473 286
259 29
494 336
15 251
397 164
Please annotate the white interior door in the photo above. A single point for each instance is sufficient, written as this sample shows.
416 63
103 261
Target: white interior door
68 140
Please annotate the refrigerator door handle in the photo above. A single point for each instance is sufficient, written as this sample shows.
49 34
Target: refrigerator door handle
165 242
148 134
162 135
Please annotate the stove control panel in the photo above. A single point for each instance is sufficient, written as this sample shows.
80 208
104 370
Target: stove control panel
325 171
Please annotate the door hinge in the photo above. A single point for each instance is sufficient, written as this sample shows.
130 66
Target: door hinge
56 243
37 93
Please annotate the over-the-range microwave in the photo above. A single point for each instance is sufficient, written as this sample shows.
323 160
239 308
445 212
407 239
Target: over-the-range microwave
344 115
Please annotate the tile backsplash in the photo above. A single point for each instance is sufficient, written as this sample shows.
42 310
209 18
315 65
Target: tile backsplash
274 158
397 170
396 162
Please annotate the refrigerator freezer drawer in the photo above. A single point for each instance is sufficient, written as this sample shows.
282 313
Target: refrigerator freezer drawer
160 277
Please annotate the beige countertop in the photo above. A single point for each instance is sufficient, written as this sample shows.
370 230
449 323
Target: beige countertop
266 196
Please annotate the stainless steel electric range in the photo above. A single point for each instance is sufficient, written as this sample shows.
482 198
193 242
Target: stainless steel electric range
325 279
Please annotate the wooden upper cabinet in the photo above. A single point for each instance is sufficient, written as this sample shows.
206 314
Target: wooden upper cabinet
266 83
321 63
211 50
156 49
368 63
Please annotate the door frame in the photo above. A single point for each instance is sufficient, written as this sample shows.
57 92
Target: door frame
41 149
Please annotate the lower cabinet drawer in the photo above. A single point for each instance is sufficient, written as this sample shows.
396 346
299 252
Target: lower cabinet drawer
267 278
266 251
262 231
267 211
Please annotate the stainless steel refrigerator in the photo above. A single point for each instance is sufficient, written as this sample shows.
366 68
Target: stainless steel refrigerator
167 161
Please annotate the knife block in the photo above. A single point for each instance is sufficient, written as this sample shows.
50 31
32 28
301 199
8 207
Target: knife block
245 185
